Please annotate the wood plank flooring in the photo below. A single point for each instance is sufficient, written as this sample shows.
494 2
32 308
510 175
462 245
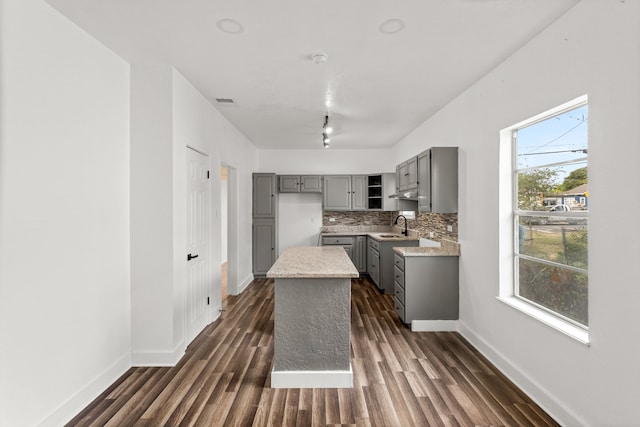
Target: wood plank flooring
401 378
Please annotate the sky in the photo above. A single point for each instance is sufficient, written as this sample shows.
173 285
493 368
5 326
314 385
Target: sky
558 139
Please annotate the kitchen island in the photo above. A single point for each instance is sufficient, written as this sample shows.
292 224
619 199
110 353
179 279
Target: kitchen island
312 318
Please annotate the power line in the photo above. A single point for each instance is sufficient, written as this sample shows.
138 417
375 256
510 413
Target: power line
580 150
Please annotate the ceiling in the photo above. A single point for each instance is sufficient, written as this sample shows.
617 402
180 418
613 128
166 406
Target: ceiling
376 87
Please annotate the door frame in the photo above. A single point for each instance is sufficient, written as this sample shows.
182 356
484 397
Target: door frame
232 229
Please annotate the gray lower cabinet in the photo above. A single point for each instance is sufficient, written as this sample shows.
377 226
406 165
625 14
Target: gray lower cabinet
386 283
373 261
360 253
264 246
355 246
426 287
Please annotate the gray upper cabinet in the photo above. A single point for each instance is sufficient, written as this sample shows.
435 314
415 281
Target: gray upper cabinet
438 180
407 174
337 193
311 184
379 187
358 192
289 183
264 195
300 184
345 192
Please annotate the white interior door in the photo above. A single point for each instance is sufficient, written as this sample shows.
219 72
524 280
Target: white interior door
197 257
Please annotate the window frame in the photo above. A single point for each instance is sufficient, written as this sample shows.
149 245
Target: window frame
509 220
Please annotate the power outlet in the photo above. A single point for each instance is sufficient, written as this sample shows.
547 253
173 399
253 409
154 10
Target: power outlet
332 220
450 228
431 234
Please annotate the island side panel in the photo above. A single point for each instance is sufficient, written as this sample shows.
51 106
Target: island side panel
312 324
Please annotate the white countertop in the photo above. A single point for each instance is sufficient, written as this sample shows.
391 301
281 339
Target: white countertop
313 262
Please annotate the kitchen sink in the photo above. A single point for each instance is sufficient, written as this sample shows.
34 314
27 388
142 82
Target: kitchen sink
391 235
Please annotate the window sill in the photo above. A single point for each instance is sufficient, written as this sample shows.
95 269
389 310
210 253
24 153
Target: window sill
566 328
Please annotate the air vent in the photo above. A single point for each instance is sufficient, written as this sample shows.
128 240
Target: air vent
226 101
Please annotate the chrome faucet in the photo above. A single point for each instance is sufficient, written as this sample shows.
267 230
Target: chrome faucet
405 232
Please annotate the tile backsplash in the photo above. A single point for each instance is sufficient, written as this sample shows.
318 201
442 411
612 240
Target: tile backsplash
357 218
423 223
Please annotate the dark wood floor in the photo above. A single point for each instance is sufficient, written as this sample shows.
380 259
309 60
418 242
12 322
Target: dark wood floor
401 378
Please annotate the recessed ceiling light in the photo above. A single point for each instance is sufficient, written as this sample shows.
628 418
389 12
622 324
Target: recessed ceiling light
391 26
319 58
230 26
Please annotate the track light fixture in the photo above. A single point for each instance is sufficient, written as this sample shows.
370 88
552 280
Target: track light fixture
326 130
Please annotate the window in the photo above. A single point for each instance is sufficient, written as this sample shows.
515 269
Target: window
549 214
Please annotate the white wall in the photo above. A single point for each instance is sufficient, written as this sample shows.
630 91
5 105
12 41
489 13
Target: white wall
593 49
200 125
299 219
154 338
327 161
169 115
64 216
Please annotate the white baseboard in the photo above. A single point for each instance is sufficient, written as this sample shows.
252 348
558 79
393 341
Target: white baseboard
528 385
85 396
312 379
434 326
158 358
246 282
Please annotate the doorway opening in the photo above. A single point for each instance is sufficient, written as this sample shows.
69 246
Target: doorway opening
224 235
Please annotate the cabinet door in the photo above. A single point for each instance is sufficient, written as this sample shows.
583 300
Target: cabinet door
444 179
424 181
337 193
289 183
403 176
373 261
264 195
349 250
358 192
360 254
311 184
264 242
412 172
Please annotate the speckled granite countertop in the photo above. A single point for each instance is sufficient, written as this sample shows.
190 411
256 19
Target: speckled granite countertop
313 262
378 232
447 248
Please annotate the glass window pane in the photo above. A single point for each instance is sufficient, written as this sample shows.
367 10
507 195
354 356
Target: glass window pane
558 289
544 188
557 139
558 239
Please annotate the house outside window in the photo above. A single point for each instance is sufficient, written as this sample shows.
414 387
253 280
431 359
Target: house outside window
549 216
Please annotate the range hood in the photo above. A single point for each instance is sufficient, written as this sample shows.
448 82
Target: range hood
405 195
